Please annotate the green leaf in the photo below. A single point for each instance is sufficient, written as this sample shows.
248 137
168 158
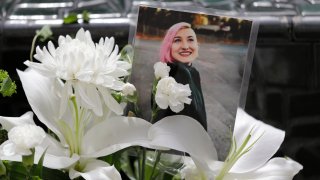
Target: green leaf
35 178
86 16
3 135
71 19
108 159
54 174
15 170
3 169
114 159
7 86
117 96
117 160
37 170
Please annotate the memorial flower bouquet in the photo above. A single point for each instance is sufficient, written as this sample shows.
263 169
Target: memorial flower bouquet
78 90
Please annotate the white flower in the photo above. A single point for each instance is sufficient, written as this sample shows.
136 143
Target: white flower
89 70
161 70
82 137
128 89
95 170
173 94
23 138
190 171
82 140
256 143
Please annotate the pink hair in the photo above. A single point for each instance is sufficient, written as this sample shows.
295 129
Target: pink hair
165 49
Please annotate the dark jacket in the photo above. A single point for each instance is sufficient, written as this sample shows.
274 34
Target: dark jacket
185 74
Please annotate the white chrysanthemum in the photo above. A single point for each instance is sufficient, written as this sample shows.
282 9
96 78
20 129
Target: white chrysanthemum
23 138
128 89
89 70
173 94
161 70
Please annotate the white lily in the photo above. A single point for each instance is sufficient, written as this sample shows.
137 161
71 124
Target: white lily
82 138
184 134
89 70
258 142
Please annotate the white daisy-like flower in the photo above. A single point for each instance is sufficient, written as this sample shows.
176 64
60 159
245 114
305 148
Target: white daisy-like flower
23 138
161 70
88 70
172 94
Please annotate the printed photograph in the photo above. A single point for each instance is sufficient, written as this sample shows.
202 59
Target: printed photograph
202 57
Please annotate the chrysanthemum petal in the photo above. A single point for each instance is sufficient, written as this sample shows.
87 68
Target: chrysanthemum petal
95 98
44 70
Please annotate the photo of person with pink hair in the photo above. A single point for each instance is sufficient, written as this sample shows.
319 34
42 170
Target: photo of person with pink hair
207 52
179 49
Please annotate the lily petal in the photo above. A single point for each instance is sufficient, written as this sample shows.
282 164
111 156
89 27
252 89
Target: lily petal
56 162
96 170
121 132
42 98
184 134
10 122
52 161
275 169
10 149
267 136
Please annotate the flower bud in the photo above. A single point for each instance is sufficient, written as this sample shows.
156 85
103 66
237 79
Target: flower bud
128 89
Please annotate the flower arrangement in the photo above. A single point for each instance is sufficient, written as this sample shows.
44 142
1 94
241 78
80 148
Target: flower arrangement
79 89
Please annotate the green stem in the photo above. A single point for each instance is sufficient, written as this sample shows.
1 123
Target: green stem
155 164
142 162
234 157
28 162
154 113
32 46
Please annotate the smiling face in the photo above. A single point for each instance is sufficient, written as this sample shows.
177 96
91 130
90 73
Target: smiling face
185 46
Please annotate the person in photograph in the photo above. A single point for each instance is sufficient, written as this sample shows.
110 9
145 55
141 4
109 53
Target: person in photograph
179 50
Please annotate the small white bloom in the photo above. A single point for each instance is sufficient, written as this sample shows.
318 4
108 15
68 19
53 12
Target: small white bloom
161 70
23 138
128 89
173 94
